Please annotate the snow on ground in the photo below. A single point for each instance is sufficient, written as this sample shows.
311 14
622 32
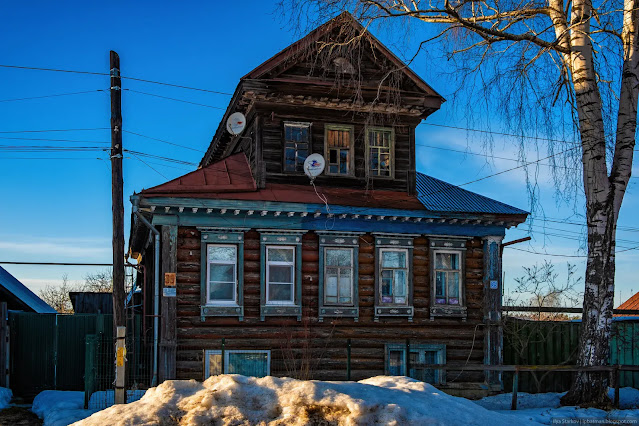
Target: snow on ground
61 408
5 397
543 407
235 399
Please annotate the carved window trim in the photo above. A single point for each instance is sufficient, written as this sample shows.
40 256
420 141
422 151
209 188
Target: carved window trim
328 240
393 242
220 237
448 246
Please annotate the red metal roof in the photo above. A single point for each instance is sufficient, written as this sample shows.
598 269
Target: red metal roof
231 179
632 303
229 175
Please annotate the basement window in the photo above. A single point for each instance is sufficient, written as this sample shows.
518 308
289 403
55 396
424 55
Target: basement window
420 356
252 363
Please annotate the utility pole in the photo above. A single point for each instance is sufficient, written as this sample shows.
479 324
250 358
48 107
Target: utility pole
117 205
117 193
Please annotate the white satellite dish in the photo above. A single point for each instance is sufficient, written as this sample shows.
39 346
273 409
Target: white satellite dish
314 165
236 123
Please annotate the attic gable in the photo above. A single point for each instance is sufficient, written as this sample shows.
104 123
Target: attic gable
342 50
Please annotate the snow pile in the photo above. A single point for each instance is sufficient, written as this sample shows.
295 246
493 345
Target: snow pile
5 397
235 399
60 408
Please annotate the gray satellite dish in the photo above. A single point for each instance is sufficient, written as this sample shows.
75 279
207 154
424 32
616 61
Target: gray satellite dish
236 123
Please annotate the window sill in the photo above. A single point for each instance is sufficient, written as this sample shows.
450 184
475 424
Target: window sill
339 312
448 311
394 311
222 311
280 311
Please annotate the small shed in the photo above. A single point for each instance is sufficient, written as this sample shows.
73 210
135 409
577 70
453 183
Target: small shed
19 297
88 302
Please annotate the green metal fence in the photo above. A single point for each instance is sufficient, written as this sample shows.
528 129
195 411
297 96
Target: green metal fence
529 342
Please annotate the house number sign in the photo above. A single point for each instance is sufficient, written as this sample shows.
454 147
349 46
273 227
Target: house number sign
169 279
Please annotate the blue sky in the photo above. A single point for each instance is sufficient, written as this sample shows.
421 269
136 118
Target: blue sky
56 206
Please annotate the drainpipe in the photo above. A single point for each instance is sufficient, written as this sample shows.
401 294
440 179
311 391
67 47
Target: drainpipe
156 289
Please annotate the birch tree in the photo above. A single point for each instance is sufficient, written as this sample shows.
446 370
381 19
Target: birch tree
579 57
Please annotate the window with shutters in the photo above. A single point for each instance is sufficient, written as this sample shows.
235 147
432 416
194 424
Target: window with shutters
339 149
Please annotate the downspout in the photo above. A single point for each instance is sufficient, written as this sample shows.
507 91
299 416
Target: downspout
156 288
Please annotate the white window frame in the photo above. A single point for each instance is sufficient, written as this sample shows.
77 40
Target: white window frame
352 268
280 263
209 301
207 372
380 251
460 270
391 152
300 124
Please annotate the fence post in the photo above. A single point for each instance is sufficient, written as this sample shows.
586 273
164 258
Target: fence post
348 359
89 367
617 378
223 344
407 357
513 404
120 357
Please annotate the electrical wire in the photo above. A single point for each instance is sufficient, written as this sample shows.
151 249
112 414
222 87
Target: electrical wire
164 141
55 130
52 96
174 99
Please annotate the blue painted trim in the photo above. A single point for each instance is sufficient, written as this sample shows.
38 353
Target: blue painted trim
321 224
390 309
221 237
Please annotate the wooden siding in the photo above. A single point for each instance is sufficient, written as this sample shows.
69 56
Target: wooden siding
324 344
272 128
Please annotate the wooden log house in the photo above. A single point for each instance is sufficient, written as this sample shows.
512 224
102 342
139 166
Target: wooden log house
396 269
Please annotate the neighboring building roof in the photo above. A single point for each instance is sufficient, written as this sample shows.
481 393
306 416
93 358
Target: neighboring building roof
19 297
631 303
441 196
231 179
88 302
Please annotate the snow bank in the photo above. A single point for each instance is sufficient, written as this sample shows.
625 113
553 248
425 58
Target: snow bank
628 399
235 399
5 397
60 408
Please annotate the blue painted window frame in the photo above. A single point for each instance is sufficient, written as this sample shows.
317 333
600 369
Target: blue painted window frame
225 363
269 238
328 240
439 348
392 241
439 245
221 237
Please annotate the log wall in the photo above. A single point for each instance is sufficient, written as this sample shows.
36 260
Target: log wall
313 349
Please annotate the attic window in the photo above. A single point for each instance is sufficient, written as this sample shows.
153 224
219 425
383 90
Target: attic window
343 65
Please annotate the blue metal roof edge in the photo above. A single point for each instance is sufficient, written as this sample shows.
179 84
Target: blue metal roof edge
440 203
18 289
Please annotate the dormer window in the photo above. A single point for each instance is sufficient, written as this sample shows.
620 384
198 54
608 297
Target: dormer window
379 146
339 149
297 137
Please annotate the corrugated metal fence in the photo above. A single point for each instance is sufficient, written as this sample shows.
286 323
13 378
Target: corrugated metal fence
529 342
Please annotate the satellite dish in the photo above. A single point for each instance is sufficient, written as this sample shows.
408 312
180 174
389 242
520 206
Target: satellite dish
314 165
236 123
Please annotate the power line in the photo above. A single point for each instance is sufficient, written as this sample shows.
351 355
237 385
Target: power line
164 141
54 130
124 77
175 99
52 96
55 263
49 140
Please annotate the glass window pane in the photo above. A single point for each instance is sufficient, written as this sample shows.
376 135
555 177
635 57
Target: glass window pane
345 285
440 284
331 284
454 261
338 257
280 292
289 161
280 274
387 284
215 364
400 282
393 259
248 364
222 291
395 362
453 287
222 272
280 254
224 253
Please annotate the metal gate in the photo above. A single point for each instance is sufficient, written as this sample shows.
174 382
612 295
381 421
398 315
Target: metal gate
47 351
